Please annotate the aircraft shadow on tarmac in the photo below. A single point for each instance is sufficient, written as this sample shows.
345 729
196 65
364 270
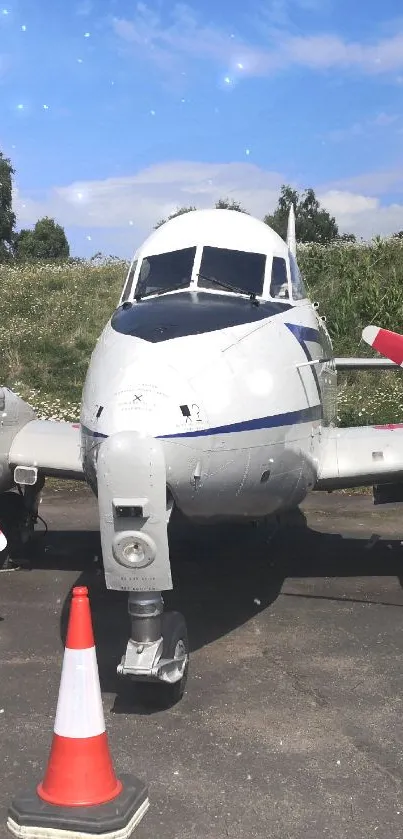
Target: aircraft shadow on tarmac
219 572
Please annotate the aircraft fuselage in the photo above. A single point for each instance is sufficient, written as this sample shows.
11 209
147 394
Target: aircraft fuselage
236 389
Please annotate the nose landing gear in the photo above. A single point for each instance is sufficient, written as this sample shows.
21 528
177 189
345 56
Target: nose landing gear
133 513
157 654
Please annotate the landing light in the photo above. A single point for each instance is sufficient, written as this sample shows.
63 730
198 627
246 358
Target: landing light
133 549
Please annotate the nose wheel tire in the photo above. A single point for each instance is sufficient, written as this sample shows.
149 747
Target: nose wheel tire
175 646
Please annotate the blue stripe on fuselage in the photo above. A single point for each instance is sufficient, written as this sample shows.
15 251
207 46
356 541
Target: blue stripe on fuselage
304 333
275 421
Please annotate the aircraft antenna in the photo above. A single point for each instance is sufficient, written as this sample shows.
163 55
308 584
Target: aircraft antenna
291 237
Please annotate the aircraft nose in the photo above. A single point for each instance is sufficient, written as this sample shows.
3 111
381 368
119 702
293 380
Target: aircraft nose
131 386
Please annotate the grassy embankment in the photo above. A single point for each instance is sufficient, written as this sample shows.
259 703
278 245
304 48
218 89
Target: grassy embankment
51 316
357 285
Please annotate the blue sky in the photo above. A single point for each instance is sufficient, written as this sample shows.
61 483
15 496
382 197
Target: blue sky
114 112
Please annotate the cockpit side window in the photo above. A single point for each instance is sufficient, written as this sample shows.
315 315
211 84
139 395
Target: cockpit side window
165 270
129 282
241 270
297 285
279 279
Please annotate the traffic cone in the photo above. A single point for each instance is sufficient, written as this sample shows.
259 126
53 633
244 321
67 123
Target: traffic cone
80 791
80 771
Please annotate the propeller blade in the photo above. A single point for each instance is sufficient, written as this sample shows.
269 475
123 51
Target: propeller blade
389 344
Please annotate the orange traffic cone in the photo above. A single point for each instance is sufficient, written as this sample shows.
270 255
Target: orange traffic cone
80 771
80 791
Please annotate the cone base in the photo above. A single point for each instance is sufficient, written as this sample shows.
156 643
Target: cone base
79 773
29 816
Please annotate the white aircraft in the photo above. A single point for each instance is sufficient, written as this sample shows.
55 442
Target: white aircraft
212 388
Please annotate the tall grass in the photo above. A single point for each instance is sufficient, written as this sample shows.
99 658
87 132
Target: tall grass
50 319
356 285
51 316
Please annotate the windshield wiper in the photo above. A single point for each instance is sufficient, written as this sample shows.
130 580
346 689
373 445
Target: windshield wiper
175 287
229 287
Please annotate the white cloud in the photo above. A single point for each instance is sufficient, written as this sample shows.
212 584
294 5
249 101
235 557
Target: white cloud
363 215
382 119
327 51
125 209
347 203
358 129
151 194
169 42
281 12
375 183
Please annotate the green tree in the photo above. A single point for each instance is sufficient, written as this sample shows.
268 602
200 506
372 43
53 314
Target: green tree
46 241
7 217
312 223
227 204
221 204
347 237
179 212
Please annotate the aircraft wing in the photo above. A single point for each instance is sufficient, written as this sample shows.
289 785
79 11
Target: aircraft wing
361 456
365 364
52 447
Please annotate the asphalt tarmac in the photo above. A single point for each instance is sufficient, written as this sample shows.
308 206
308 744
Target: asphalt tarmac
291 727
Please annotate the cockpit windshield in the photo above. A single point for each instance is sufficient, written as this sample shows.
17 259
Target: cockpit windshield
164 271
297 284
242 271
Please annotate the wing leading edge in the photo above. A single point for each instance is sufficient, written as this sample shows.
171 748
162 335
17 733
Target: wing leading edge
367 455
361 456
365 364
54 448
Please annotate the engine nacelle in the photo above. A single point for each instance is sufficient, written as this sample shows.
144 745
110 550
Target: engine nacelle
14 414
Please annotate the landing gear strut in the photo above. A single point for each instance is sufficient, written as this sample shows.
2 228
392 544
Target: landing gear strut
157 653
18 516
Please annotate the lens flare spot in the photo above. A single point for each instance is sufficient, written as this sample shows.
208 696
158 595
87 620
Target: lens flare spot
260 382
